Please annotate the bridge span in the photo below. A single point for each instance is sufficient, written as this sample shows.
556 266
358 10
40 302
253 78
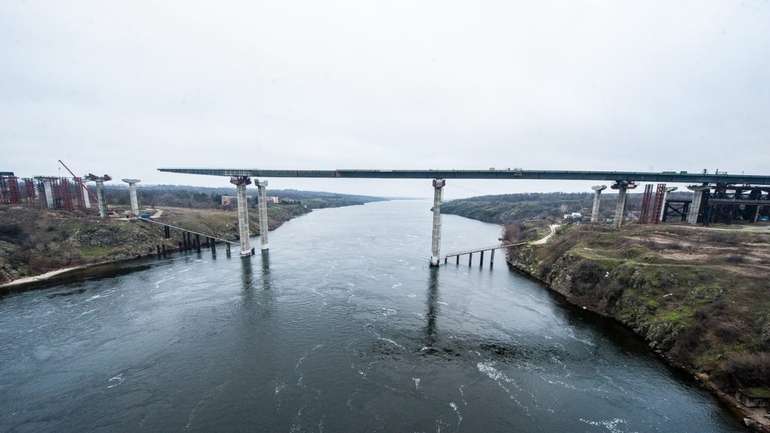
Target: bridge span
622 182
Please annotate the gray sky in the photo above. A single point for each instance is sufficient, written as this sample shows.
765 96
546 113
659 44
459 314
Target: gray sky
126 87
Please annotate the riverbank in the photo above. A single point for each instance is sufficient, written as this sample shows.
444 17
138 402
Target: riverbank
42 246
698 297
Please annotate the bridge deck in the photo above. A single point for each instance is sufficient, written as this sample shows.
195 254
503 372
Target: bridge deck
639 176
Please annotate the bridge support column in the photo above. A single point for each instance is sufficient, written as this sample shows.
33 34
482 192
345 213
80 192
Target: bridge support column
86 196
240 183
620 208
132 195
597 199
48 190
438 186
263 228
697 200
100 203
663 203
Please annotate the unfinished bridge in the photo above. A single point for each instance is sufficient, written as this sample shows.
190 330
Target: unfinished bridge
713 193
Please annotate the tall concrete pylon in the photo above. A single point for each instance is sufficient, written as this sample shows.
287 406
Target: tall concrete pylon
86 197
132 195
697 199
263 226
597 199
48 189
243 212
620 208
101 203
438 187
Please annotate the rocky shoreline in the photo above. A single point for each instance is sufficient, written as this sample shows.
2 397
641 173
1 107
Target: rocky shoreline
562 276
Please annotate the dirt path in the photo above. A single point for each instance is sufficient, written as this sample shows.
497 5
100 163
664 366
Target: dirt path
545 238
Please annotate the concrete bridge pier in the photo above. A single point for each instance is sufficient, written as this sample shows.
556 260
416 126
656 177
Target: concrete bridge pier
100 198
438 186
48 190
263 227
86 197
697 200
597 199
132 195
100 203
240 183
668 191
620 208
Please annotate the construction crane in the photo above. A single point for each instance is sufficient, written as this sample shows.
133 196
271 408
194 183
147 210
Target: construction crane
80 181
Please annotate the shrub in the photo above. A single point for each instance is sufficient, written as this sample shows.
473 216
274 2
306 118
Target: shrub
744 370
12 233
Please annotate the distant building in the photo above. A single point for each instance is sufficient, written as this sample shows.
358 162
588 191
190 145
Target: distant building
574 217
273 199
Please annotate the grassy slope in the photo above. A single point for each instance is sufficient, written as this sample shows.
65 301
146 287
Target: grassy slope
34 241
699 296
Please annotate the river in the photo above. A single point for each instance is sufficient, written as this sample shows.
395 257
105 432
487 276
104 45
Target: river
343 328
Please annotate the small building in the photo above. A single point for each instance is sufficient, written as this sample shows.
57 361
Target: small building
753 397
574 217
273 199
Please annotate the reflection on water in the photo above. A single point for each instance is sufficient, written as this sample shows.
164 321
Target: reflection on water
340 327
432 308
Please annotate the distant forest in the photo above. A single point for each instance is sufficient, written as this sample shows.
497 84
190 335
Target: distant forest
206 197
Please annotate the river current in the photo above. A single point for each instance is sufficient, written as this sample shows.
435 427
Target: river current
341 328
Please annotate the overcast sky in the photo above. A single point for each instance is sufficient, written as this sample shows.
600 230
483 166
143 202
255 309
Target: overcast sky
126 87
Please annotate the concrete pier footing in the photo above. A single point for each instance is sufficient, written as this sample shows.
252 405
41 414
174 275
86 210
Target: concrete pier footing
243 213
132 195
438 187
620 207
597 200
697 199
263 226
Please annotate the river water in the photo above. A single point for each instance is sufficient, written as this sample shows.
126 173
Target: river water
343 328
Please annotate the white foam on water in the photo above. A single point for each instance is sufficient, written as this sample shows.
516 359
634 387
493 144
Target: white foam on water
502 380
115 381
388 311
612 425
462 395
87 312
416 381
391 342
396 285
159 282
453 405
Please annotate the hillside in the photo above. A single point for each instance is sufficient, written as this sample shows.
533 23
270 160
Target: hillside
205 197
510 208
698 296
35 241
